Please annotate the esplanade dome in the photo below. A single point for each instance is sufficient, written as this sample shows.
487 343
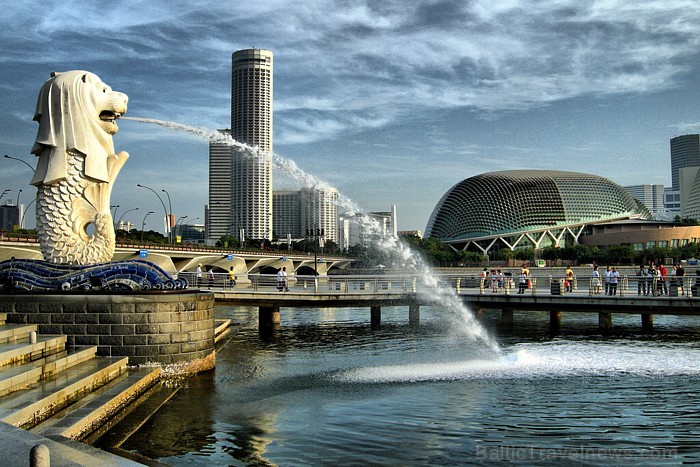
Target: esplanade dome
511 202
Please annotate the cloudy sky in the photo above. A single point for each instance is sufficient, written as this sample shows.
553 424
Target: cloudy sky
391 101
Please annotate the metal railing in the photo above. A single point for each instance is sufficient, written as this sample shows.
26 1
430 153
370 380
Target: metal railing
412 283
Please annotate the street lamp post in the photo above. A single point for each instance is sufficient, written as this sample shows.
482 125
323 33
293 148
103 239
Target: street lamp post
315 234
122 216
6 190
22 161
165 210
181 218
170 217
143 224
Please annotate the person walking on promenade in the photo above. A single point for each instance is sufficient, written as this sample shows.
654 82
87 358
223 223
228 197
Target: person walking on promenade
198 272
680 277
664 285
607 273
650 280
614 279
522 281
211 277
595 281
641 280
501 280
655 279
569 280
231 277
484 277
282 284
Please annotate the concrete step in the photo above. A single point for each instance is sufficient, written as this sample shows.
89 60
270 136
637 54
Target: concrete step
16 443
22 351
14 378
27 408
93 410
223 326
111 436
15 332
3 318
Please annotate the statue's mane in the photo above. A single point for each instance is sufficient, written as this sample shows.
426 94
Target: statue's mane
69 122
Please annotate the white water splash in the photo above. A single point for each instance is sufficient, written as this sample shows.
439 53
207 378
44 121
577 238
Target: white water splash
405 259
548 360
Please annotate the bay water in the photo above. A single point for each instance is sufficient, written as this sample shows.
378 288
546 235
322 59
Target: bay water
327 389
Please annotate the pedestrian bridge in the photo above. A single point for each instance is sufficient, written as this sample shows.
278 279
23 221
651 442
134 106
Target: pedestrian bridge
176 259
546 293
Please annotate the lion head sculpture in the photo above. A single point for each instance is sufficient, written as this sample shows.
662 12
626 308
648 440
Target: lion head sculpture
76 112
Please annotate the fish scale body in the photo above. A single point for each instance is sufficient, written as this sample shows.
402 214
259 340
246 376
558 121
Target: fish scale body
64 212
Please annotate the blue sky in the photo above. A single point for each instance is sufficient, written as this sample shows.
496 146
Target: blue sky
393 102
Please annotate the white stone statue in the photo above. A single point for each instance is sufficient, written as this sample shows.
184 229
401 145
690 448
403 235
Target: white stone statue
77 166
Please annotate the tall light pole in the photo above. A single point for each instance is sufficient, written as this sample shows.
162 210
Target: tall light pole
6 190
123 214
22 161
19 192
165 210
143 224
181 218
114 214
170 217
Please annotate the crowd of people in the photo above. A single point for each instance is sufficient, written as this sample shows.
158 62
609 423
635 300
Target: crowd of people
651 280
656 280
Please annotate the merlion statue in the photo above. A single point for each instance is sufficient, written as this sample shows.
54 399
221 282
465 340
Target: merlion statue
77 166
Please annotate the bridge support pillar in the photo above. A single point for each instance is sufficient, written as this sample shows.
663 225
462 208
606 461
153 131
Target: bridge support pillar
507 317
269 317
648 322
604 321
413 314
554 320
375 313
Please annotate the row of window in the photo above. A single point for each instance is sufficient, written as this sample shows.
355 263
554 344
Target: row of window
674 243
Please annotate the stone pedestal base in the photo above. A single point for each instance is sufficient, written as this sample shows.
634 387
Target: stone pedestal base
162 327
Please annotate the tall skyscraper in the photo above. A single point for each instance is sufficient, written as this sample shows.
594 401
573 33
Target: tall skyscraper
240 181
218 221
685 152
251 123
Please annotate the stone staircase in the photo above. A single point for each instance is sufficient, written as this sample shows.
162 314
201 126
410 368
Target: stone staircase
57 397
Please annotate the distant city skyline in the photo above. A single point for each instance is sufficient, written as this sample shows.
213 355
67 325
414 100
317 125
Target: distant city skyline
390 103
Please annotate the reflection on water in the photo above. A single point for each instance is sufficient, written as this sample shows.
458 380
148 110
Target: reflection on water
327 389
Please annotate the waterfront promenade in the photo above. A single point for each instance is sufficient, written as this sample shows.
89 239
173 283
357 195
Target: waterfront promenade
546 293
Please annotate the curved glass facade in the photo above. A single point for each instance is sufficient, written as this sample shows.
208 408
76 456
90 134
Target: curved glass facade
514 201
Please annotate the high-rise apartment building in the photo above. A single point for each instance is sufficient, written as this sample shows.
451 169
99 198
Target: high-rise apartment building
319 210
296 212
240 180
685 152
286 214
218 213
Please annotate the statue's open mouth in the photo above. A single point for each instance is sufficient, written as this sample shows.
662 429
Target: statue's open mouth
109 116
